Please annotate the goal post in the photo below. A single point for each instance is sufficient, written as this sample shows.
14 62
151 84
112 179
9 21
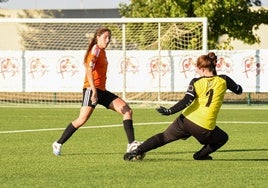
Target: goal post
41 59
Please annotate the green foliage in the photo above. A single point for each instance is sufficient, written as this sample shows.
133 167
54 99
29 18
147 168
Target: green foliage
232 17
93 157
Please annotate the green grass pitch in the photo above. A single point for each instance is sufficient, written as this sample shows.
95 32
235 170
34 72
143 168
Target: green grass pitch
93 157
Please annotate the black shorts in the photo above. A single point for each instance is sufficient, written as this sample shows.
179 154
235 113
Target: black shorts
182 128
104 97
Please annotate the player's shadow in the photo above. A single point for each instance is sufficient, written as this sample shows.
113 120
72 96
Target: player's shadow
243 150
174 156
177 158
246 156
91 153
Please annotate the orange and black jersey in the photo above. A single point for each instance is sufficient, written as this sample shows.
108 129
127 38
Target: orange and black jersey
98 61
204 98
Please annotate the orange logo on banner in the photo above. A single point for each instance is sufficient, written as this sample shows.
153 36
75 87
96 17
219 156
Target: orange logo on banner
224 65
154 66
188 65
252 64
9 67
131 65
37 67
67 66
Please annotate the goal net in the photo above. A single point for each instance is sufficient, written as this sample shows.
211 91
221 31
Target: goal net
150 60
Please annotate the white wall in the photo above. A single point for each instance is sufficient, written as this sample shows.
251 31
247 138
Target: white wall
262 33
61 4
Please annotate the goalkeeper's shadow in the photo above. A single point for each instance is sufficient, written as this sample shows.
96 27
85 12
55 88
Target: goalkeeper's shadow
169 156
243 150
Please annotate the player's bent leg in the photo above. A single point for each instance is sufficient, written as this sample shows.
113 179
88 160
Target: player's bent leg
216 140
203 154
151 143
85 113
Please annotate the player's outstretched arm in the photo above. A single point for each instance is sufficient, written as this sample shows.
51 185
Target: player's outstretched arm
232 86
186 101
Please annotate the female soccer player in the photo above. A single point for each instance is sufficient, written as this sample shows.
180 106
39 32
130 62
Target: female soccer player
200 105
94 91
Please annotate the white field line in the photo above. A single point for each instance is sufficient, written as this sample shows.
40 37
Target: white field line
224 107
119 125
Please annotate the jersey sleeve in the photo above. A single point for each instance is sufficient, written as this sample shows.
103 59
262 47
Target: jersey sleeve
232 86
186 100
93 56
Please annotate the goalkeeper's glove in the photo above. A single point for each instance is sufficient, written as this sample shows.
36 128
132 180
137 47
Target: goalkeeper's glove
164 111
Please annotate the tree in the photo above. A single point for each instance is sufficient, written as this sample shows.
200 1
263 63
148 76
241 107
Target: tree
232 17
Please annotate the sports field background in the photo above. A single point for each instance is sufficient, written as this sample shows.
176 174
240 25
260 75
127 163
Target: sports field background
93 157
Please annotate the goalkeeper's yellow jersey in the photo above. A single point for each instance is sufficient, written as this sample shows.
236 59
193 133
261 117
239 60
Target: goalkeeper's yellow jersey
209 92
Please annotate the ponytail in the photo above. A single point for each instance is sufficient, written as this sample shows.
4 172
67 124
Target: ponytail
213 62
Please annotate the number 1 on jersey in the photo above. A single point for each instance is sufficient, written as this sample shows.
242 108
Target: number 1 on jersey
210 96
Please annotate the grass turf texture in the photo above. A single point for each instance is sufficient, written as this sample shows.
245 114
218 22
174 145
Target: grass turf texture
93 157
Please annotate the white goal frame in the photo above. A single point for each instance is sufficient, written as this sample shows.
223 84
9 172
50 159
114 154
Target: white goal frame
123 22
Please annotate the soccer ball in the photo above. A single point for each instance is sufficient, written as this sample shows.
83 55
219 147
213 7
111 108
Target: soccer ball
134 146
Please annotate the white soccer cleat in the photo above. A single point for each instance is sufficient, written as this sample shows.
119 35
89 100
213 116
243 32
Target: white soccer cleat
56 148
131 154
133 145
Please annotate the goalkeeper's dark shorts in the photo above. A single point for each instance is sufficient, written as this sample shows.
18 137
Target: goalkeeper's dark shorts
104 97
182 128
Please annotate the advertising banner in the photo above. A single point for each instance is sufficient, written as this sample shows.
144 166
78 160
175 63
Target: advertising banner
140 71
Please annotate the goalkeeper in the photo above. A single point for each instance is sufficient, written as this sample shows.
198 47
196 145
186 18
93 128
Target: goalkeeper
200 105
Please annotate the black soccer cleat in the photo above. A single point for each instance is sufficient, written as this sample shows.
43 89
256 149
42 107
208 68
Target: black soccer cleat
132 155
197 157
